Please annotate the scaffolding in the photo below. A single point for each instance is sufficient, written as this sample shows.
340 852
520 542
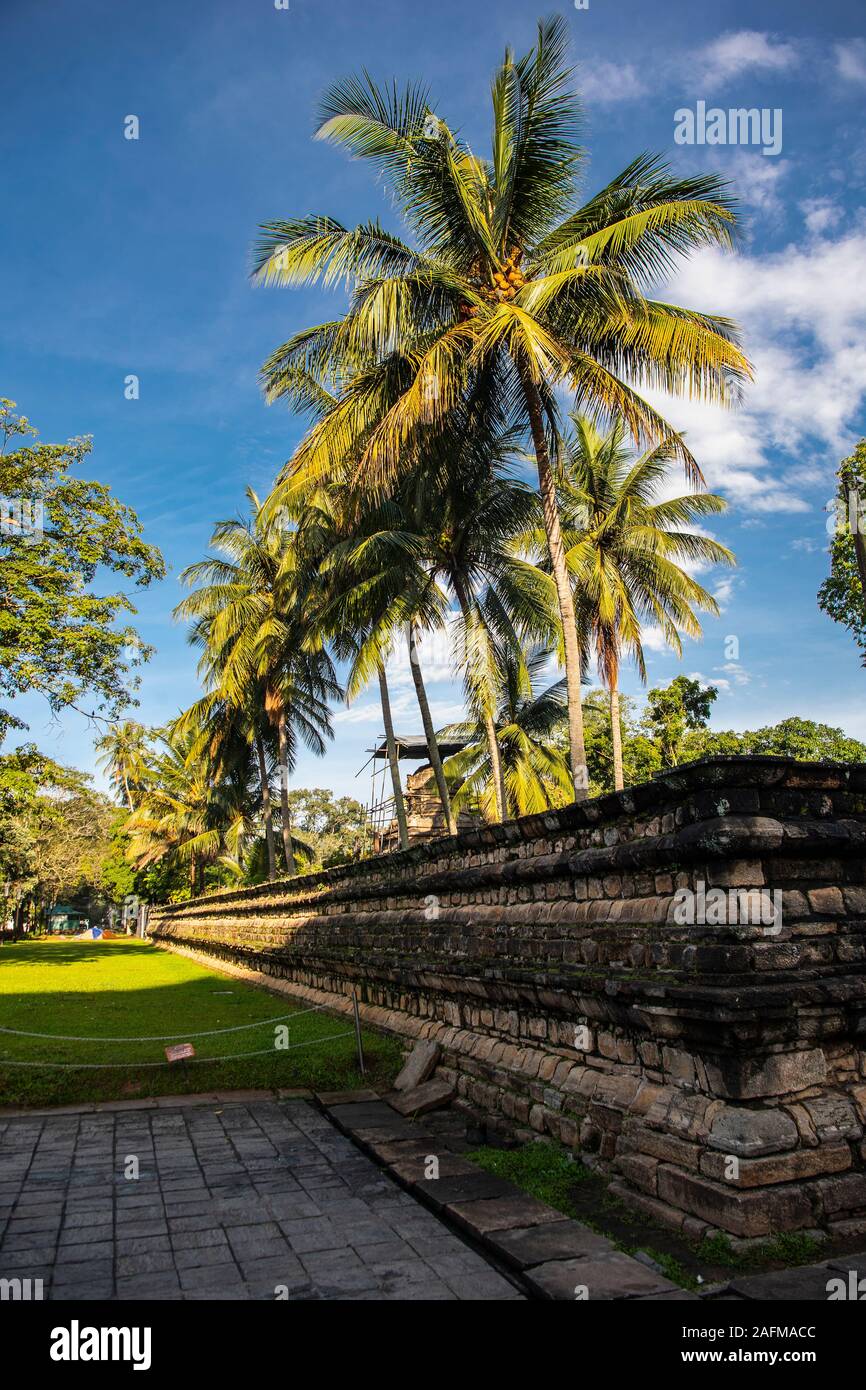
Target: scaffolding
380 813
380 810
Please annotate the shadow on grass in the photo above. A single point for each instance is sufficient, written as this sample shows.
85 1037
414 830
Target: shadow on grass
110 1008
68 951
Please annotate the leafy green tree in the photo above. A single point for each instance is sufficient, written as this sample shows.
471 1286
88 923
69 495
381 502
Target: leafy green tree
802 739
55 834
187 815
805 740
712 743
454 539
58 636
842 596
333 827
673 709
379 594
640 754
117 877
507 282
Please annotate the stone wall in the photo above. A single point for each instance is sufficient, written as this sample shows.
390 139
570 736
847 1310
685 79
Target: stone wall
720 1070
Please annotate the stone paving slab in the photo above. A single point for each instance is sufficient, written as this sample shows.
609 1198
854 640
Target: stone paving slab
398 1149
447 1191
329 1098
525 1246
252 1198
97 1107
607 1276
808 1283
841 1264
675 1296
415 1169
502 1213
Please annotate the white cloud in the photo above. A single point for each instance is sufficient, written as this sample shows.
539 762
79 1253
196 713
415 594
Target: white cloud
405 713
744 51
438 656
738 674
820 214
721 682
359 714
607 83
653 639
724 590
851 60
756 180
802 311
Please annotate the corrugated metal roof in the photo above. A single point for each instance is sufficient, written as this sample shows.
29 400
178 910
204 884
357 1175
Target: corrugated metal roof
414 746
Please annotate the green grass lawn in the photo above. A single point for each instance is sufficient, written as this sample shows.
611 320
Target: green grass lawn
130 990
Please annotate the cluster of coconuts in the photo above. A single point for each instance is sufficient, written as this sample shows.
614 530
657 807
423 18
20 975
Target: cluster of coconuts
509 279
506 283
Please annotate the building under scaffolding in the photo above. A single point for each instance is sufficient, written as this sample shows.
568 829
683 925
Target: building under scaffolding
424 815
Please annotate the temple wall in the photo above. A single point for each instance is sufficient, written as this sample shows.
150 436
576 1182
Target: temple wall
717 1066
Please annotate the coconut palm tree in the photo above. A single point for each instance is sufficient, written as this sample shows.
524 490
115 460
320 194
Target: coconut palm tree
122 751
185 813
461 532
508 280
379 593
226 737
536 772
625 547
342 605
259 650
468 512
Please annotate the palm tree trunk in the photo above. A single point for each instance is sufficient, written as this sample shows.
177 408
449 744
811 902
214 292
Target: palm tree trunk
498 776
266 808
500 796
128 792
429 732
616 736
393 761
288 851
547 488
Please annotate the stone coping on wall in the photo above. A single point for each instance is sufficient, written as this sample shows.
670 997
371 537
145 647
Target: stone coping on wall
704 775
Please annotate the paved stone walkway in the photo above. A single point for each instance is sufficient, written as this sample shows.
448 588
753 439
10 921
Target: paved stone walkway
232 1201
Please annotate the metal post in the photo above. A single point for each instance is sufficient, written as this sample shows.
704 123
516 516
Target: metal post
358 1035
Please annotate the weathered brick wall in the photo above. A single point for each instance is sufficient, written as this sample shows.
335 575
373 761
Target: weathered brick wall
720 1069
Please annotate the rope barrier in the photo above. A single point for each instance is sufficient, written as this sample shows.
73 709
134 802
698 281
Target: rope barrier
231 1057
162 1037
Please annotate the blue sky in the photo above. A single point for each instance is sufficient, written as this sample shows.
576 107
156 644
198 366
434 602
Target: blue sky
121 257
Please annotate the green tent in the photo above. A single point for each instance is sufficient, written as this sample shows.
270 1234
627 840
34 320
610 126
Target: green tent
66 921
